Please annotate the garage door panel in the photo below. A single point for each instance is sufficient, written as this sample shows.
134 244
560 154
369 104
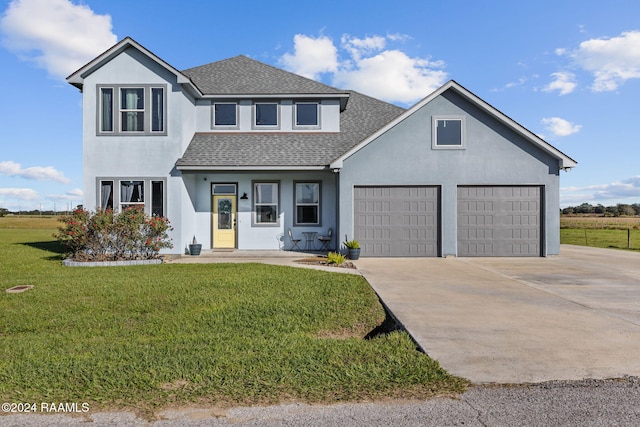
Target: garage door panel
397 221
499 221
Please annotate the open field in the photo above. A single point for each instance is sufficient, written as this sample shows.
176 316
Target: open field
145 337
599 222
601 232
29 222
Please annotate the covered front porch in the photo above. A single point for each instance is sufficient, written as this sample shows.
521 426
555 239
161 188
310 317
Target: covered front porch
257 210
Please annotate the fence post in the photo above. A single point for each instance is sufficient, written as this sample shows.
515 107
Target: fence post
628 238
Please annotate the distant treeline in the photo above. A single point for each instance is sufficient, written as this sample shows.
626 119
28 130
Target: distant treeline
621 209
5 212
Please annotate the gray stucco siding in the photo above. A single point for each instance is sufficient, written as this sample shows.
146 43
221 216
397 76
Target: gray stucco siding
494 154
137 156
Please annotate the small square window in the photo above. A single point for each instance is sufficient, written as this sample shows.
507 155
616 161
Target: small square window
225 114
307 114
266 114
448 132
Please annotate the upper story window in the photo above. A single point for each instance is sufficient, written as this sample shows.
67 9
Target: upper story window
225 114
266 114
448 132
306 114
131 110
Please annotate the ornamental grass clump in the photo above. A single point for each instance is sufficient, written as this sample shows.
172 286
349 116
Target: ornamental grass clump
107 236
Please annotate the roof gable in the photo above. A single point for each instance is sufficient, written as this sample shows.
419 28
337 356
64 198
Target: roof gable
565 161
77 77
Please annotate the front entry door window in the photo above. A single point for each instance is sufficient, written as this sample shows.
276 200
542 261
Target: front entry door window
224 217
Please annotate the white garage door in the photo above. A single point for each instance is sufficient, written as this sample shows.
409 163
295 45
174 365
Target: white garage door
499 221
397 221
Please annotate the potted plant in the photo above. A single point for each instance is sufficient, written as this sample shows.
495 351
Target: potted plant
195 247
353 248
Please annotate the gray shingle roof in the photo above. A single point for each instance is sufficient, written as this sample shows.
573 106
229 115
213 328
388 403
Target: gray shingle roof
363 116
241 75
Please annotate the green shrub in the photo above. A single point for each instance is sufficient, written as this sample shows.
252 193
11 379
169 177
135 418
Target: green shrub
336 258
105 236
352 244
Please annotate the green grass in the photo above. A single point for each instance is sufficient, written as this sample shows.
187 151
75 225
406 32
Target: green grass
145 337
601 238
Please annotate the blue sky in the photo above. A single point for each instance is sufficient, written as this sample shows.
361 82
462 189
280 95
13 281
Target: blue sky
566 70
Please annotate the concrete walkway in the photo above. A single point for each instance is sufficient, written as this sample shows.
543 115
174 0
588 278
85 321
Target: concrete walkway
286 258
519 320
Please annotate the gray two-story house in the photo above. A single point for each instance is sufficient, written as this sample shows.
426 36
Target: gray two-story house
242 155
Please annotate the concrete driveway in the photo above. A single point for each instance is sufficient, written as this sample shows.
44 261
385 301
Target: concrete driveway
519 320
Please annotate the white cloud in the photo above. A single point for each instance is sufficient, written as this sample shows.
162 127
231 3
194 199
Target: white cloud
56 35
358 47
560 127
311 56
564 83
27 194
368 66
627 188
392 76
71 195
612 61
38 173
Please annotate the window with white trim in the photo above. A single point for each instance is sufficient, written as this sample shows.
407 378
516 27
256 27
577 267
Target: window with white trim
448 132
131 110
225 115
307 198
265 203
307 114
266 114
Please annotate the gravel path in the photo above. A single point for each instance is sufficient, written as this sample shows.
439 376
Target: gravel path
556 403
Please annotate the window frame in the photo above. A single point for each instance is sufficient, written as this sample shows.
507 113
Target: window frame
213 115
149 103
163 107
295 115
101 115
256 204
122 110
147 190
297 204
434 125
254 122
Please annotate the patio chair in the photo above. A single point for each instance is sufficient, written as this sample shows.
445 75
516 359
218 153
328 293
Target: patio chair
326 240
294 242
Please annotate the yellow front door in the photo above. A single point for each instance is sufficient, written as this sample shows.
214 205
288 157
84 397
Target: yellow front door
224 221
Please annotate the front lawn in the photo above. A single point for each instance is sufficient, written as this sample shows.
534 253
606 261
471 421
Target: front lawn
145 337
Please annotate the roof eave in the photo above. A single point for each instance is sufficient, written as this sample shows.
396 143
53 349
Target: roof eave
213 168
